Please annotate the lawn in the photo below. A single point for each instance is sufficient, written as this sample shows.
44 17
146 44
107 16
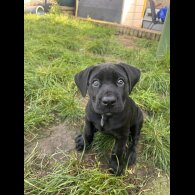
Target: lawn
55 49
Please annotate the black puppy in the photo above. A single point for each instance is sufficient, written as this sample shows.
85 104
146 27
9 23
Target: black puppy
111 110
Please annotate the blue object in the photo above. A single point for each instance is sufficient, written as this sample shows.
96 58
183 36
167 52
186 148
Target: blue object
162 14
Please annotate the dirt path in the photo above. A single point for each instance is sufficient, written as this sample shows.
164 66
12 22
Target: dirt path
55 138
128 41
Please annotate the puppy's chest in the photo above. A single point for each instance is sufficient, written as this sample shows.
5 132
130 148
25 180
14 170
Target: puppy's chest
107 125
103 125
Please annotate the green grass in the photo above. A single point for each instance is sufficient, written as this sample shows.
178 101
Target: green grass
156 141
55 49
70 177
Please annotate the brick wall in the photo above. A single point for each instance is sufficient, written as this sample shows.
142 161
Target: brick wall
123 29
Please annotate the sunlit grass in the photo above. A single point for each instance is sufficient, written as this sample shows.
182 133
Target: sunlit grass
55 49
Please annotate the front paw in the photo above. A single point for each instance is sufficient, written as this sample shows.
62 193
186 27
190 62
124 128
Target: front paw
115 168
79 141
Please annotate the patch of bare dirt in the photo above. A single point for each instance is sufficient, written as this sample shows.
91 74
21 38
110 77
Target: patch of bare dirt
60 137
127 41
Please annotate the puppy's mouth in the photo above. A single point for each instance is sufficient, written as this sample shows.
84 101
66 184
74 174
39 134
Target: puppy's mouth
108 111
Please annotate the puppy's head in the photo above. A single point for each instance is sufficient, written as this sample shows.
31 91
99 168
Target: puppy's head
108 85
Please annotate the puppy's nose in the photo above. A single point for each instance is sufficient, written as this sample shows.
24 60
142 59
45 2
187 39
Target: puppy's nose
108 100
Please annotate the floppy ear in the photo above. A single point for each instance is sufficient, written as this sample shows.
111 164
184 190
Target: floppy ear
82 78
133 74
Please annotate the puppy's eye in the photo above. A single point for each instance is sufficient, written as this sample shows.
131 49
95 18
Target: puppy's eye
120 82
95 83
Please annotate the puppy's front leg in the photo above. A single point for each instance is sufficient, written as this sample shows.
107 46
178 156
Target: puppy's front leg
118 154
135 133
88 135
